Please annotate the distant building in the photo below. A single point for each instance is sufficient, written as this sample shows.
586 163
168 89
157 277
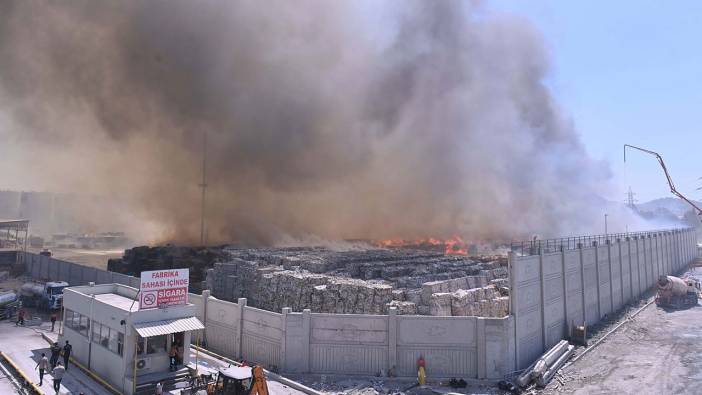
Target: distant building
119 342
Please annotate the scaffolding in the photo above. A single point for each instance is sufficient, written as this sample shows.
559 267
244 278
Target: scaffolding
13 237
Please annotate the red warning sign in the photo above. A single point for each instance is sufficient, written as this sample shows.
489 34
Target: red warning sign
161 288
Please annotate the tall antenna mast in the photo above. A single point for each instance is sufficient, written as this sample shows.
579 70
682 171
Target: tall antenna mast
630 200
203 185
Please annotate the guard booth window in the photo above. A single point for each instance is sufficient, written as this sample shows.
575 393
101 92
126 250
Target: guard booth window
151 345
156 344
77 322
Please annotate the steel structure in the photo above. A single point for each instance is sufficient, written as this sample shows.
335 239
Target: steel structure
13 236
667 176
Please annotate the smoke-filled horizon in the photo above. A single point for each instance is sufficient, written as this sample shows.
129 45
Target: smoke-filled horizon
437 123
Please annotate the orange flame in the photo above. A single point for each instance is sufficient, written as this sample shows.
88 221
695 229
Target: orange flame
454 245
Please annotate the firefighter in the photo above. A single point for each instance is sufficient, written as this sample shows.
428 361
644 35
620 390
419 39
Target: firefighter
421 374
259 382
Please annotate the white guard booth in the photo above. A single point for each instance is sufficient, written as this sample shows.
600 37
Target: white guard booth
120 343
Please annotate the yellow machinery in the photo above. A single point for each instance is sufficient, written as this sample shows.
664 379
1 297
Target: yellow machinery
238 380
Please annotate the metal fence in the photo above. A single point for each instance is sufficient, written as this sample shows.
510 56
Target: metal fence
535 247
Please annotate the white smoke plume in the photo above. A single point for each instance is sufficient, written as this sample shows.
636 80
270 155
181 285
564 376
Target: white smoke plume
320 121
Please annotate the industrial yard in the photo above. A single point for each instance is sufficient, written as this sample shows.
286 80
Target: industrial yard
350 197
365 280
656 352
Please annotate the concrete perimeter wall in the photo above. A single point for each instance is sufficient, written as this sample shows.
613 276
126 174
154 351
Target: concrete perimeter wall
357 344
551 292
345 344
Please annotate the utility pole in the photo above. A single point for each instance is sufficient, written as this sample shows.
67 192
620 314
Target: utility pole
203 185
606 215
630 200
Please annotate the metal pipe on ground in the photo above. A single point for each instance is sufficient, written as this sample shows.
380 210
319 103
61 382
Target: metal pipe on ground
546 378
539 368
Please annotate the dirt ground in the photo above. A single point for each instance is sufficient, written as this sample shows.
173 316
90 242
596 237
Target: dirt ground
94 258
658 352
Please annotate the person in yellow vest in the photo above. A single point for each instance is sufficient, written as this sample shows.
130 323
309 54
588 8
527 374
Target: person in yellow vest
421 374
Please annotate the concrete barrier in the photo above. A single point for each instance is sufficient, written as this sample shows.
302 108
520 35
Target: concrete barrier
552 292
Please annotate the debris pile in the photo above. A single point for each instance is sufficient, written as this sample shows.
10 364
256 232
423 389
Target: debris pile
363 281
198 259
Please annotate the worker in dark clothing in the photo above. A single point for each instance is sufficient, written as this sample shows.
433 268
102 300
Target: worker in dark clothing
20 317
53 321
67 353
172 355
55 353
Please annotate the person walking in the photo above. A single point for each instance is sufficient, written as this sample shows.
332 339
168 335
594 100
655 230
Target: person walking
55 353
58 373
67 353
159 388
20 317
53 321
43 366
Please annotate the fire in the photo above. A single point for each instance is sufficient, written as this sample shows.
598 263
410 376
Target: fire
454 245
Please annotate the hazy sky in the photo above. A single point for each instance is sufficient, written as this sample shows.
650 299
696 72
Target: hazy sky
628 72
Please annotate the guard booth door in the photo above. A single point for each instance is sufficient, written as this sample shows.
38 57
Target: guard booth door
178 338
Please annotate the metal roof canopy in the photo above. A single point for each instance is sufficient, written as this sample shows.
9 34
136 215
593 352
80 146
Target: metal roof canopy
165 327
20 224
237 372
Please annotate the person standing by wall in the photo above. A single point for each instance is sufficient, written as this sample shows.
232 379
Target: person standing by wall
42 365
67 353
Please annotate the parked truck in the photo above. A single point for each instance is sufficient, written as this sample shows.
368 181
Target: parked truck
9 303
48 296
677 292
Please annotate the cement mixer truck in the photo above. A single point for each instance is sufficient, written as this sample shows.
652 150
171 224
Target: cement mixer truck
677 292
8 304
47 296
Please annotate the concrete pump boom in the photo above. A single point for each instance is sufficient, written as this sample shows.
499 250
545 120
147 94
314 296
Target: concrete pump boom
667 176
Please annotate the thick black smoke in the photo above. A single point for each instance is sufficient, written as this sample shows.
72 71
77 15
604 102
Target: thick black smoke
320 121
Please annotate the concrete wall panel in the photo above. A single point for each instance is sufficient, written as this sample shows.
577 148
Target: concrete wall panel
554 296
527 306
261 336
574 290
616 270
441 361
592 308
414 330
599 278
104 277
604 273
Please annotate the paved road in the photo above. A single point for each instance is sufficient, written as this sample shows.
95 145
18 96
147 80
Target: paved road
659 352
25 345
6 386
